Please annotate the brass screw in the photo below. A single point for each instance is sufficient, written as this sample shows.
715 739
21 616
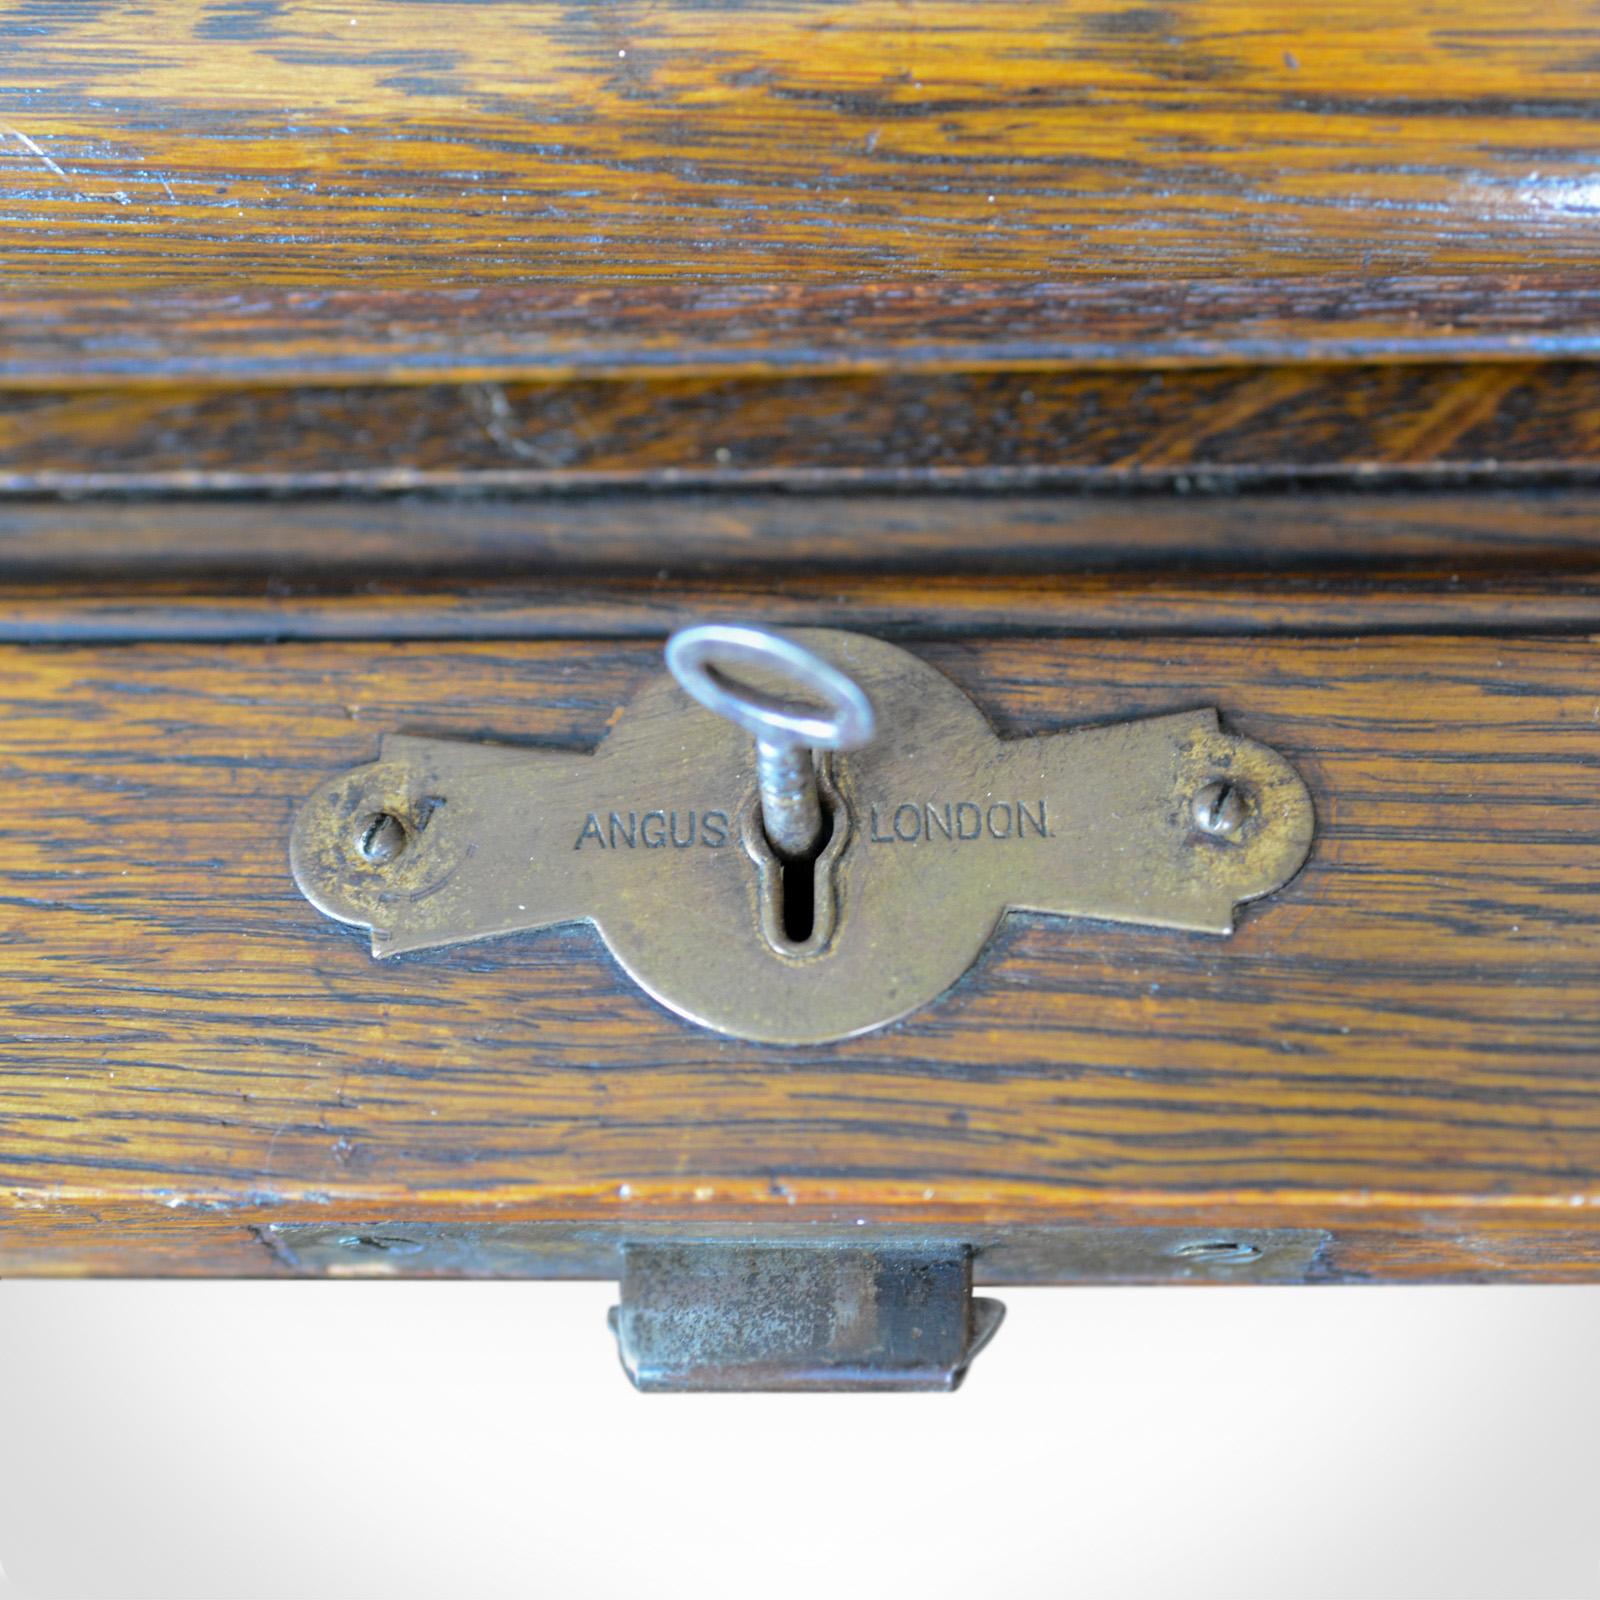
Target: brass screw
1219 809
382 838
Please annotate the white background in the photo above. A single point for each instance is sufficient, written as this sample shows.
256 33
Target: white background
271 1441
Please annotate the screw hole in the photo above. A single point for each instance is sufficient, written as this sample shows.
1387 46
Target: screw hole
1217 1250
374 1242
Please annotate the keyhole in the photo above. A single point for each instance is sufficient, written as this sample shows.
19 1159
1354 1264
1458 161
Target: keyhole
797 899
797 885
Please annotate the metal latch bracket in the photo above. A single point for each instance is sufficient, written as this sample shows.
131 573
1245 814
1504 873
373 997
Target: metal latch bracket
762 1316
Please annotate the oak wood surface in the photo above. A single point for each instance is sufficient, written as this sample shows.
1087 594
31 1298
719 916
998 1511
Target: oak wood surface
638 564
577 609
1407 1037
473 345
351 546
202 188
675 327
453 144
1396 425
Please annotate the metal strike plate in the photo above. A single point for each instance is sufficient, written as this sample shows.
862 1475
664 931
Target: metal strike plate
939 828
1002 1253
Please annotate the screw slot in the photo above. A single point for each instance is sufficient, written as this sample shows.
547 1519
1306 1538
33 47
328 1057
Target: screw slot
1220 809
381 838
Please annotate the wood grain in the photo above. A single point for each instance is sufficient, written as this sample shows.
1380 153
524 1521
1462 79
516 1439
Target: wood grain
578 609
1390 425
1410 1031
631 565
653 327
486 188
349 546
433 143
468 345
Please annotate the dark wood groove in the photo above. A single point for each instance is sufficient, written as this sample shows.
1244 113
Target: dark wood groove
1228 428
619 612
339 544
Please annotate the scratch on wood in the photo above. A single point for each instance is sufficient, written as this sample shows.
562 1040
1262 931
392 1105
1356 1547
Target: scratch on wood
28 144
493 408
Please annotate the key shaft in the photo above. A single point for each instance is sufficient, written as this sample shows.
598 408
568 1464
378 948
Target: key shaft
827 710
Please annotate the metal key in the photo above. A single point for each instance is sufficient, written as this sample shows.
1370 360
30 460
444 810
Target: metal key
787 732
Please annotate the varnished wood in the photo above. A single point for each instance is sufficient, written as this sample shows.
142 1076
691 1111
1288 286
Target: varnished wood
577 567
650 327
348 547
423 363
423 144
1230 427
1404 1039
207 189
577 609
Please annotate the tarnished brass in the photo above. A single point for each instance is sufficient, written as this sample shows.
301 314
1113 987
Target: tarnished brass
940 828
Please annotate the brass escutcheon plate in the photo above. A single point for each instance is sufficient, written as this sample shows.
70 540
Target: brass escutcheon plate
940 828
